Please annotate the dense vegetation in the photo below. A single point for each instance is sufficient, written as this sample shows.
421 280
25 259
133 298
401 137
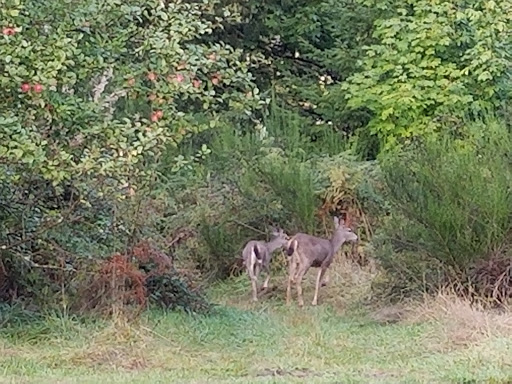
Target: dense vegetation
142 143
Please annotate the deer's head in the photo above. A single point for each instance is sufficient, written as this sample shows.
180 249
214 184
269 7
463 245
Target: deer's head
280 235
343 232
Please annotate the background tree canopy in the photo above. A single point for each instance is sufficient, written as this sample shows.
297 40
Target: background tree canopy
433 62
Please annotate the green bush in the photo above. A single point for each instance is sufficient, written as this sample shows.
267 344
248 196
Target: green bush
430 63
292 184
450 200
224 246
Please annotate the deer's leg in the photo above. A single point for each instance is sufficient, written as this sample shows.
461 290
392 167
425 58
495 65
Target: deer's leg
325 281
265 283
319 277
298 281
254 282
291 275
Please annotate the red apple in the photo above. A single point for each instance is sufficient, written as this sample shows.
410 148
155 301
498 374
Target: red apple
157 115
196 83
151 76
38 88
25 87
179 78
216 78
8 31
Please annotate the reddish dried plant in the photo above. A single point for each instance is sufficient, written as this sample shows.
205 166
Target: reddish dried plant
125 279
120 282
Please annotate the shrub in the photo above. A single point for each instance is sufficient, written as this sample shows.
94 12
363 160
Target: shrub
223 246
451 202
293 184
142 276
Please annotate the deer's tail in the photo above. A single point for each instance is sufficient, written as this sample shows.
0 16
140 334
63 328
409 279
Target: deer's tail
257 253
253 261
291 247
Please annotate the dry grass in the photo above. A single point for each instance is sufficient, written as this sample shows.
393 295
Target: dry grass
463 322
350 283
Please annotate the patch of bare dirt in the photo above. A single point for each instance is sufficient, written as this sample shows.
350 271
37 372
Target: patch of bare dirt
298 372
130 359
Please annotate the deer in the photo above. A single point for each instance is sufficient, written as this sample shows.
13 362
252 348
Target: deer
257 254
305 251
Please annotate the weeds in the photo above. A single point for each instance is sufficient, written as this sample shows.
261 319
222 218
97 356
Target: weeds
463 321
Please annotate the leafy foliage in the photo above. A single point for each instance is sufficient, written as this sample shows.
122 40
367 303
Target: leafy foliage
431 63
92 94
305 50
95 90
317 46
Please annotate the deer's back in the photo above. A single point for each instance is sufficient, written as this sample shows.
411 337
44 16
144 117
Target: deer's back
312 247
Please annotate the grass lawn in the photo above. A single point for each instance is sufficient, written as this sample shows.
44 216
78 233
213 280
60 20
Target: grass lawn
339 341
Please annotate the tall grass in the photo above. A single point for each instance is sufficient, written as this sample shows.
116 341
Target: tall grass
451 200
292 182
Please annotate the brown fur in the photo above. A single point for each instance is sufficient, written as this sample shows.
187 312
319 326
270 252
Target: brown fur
308 251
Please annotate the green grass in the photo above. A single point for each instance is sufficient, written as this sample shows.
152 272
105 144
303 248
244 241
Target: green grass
243 342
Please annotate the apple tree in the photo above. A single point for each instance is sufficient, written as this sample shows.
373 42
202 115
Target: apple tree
92 92
89 89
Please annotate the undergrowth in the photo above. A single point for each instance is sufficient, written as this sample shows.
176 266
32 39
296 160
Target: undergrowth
451 221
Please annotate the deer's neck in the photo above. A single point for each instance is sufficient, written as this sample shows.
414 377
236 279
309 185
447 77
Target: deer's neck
272 245
337 241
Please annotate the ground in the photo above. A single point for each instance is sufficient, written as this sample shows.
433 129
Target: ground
340 341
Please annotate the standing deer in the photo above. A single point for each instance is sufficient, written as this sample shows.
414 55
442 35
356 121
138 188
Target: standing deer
257 255
309 251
